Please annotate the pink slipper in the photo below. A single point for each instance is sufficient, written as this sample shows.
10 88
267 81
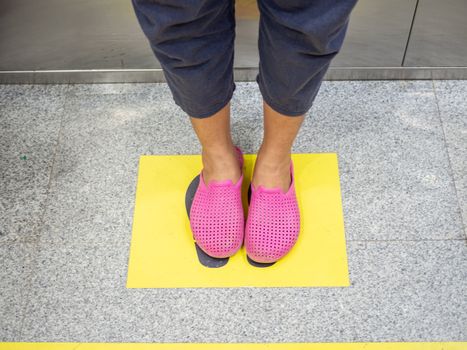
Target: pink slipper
216 215
273 222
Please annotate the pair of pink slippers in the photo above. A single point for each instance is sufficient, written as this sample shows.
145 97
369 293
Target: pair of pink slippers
218 224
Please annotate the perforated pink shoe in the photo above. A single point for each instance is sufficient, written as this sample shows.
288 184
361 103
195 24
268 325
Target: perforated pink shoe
273 222
216 215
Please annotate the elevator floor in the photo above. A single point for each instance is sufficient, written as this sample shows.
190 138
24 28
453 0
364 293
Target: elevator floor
68 173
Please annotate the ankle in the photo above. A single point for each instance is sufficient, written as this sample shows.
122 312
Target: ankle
272 160
272 169
219 157
218 151
220 164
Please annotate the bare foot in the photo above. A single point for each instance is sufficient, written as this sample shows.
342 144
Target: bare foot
221 164
272 170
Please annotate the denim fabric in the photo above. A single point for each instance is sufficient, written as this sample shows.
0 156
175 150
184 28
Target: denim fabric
194 43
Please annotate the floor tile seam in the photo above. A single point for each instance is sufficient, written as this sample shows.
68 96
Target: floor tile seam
407 240
55 152
74 94
448 156
120 243
15 241
35 232
28 286
36 240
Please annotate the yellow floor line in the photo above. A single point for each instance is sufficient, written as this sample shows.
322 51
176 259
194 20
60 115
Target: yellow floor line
237 346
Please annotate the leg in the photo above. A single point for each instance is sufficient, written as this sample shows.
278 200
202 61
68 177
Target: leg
219 157
273 161
297 41
194 43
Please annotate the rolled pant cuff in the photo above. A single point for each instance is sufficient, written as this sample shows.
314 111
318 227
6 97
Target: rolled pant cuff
211 109
281 109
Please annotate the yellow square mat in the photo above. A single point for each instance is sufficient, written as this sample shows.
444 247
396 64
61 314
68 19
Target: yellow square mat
163 254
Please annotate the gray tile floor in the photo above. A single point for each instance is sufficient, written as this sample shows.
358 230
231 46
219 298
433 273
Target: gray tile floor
68 168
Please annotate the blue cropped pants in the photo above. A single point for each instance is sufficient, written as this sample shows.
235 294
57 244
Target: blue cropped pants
194 43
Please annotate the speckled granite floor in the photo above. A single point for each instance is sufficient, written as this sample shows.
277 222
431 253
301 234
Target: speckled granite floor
68 167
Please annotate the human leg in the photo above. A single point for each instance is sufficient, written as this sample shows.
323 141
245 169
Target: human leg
297 41
194 41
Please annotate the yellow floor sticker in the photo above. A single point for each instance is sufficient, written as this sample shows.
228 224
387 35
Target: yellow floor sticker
237 346
163 254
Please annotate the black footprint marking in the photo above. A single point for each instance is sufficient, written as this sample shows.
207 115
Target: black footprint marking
203 258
